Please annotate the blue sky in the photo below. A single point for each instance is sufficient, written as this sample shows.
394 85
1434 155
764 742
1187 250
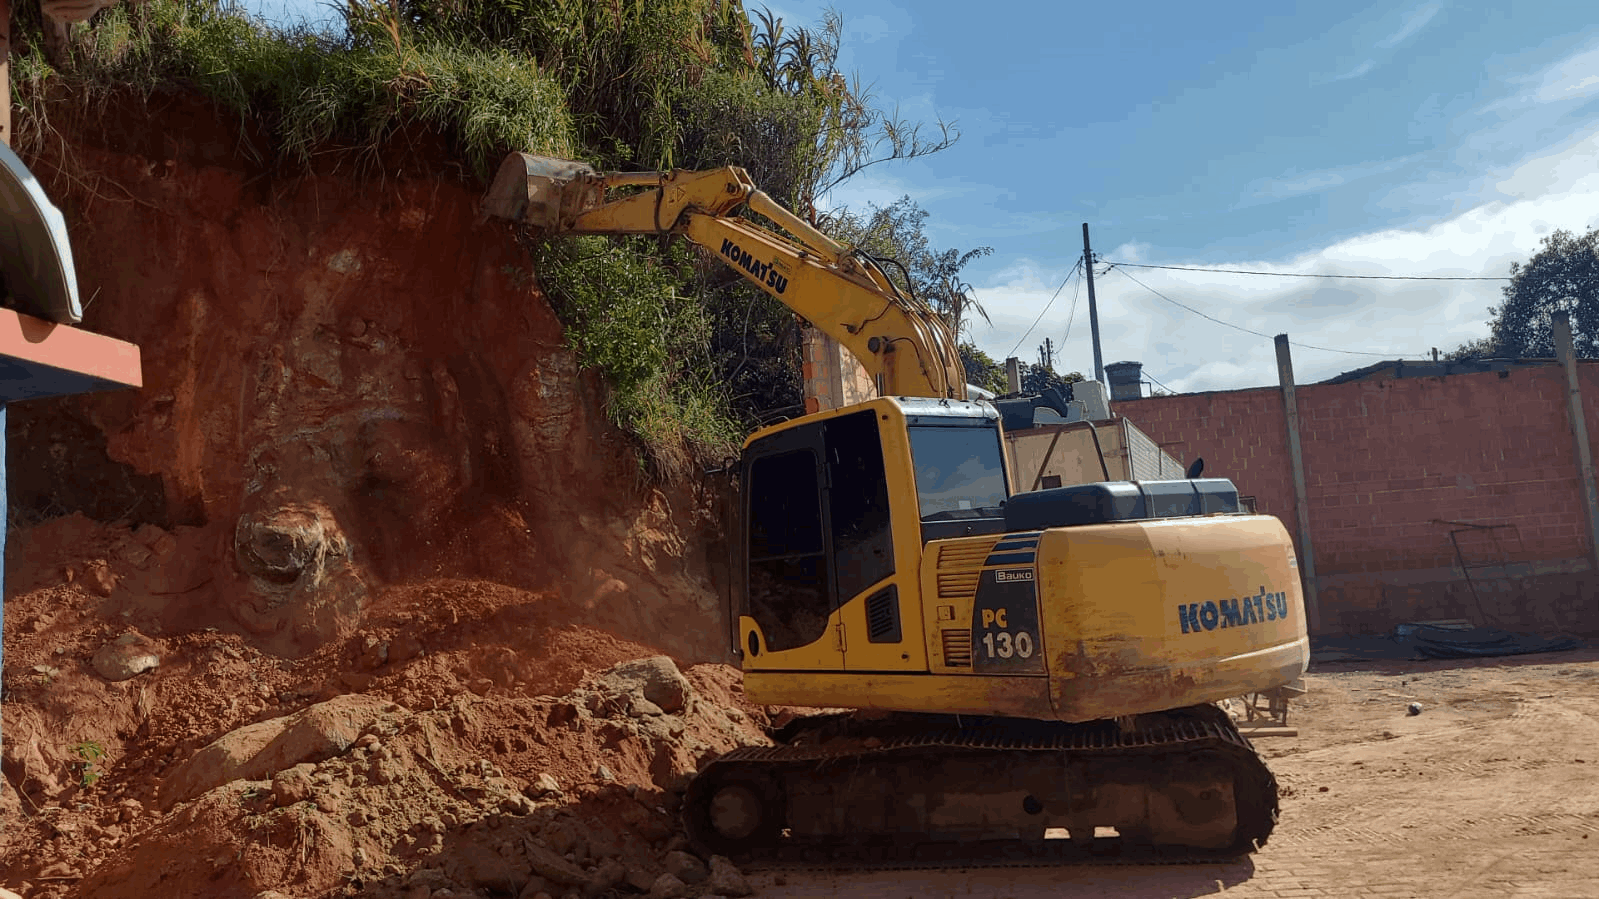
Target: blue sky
1421 138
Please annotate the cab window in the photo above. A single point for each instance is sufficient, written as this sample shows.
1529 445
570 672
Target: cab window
788 574
960 472
857 500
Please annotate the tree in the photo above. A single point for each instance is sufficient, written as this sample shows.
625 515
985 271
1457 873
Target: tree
981 369
1481 348
897 232
1036 377
1563 276
800 128
850 131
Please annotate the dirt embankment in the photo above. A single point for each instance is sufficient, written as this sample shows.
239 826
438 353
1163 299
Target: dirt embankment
363 467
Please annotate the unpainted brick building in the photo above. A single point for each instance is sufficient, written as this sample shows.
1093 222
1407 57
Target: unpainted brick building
1429 497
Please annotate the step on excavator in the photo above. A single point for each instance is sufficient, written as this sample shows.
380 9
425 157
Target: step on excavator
1030 675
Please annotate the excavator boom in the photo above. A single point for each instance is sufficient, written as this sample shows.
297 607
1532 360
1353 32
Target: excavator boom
903 343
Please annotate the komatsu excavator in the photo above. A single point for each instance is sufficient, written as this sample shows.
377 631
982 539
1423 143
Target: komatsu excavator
1030 673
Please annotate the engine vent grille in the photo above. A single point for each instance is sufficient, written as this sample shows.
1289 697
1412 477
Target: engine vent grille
965 555
882 616
958 585
957 647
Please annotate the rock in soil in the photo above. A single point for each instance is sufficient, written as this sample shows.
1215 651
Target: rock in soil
656 677
726 879
552 866
258 751
668 886
686 867
126 657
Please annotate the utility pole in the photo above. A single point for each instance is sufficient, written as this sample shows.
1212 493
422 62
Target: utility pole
1093 308
1046 354
1296 462
1561 326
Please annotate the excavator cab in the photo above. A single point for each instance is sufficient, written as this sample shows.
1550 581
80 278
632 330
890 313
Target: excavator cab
837 508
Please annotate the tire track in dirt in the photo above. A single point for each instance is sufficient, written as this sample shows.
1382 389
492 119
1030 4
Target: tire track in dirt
1493 766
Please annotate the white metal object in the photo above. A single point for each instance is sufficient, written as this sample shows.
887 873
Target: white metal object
35 254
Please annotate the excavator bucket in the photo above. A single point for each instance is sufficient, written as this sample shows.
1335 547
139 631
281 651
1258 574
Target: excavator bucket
543 192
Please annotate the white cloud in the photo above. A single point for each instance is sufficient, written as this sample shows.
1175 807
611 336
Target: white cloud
1357 71
1415 20
1293 183
1391 319
1534 141
1573 78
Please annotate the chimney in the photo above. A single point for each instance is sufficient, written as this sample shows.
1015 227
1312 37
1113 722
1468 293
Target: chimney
1124 380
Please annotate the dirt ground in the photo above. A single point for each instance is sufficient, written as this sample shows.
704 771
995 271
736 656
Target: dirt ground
464 717
1492 791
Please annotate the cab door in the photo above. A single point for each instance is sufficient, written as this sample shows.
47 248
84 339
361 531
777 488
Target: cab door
861 534
821 591
789 590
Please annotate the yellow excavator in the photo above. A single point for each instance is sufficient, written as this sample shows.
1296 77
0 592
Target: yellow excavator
1031 674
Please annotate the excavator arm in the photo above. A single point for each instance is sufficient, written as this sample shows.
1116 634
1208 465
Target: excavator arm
902 342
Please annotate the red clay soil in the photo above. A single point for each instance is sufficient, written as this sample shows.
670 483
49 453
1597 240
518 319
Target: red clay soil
349 382
363 463
482 677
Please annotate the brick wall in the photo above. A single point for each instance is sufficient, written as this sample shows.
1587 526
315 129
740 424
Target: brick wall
833 376
1441 497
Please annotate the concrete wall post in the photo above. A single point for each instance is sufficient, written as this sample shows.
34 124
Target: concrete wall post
1561 325
833 377
1307 553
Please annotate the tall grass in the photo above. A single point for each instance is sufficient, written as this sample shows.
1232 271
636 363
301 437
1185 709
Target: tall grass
622 63
315 91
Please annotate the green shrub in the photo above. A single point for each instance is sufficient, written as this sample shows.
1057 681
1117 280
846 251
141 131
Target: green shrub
89 764
732 119
625 313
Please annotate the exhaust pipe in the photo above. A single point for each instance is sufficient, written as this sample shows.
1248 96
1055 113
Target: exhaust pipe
543 192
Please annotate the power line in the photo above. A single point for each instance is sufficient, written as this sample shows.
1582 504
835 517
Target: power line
1158 381
1073 314
1308 346
1239 271
1046 309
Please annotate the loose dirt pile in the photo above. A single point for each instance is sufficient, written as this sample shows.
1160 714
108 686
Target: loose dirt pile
468 741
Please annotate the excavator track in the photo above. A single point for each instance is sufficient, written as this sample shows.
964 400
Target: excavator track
930 790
